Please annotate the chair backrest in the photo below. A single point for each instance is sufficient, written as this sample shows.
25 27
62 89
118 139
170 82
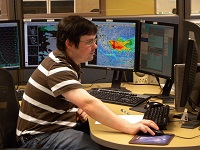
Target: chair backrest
9 109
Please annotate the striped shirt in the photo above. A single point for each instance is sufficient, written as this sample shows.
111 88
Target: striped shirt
43 107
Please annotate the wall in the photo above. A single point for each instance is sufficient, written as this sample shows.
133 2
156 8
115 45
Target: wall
85 6
166 8
133 7
195 6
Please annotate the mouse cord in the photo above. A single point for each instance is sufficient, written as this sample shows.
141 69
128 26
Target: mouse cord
188 137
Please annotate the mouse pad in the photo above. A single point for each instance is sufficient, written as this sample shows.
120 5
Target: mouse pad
152 140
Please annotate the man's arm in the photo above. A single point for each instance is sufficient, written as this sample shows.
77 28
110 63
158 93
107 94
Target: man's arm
99 112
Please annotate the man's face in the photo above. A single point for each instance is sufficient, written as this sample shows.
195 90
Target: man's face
86 49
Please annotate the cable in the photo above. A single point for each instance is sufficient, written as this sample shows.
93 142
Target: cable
158 80
18 78
188 137
191 102
125 79
185 137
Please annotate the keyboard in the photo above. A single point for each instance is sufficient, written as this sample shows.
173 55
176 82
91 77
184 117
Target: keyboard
19 94
160 115
118 97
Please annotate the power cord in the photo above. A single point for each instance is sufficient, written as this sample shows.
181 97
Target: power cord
18 78
158 80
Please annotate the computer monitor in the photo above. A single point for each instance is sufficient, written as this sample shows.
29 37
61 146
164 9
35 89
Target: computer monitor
117 41
157 53
39 40
10 49
189 73
190 94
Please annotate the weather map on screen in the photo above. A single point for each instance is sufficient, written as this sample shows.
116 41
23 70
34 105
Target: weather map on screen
40 40
116 45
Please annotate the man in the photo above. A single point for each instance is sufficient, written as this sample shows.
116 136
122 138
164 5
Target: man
54 99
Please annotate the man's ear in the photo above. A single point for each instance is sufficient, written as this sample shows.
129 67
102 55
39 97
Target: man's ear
68 44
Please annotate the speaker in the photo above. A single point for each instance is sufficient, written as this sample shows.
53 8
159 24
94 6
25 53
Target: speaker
140 78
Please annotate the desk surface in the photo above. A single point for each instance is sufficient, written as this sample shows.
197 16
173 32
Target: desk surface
184 138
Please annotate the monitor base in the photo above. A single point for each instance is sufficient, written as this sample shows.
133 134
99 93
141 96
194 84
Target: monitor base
191 124
191 120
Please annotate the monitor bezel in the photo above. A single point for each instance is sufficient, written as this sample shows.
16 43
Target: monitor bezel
174 53
19 46
137 24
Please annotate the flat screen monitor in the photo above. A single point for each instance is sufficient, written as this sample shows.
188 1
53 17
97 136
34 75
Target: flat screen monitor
39 40
117 41
189 72
10 49
157 52
190 94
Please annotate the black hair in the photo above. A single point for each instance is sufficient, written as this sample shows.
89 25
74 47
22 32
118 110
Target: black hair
72 28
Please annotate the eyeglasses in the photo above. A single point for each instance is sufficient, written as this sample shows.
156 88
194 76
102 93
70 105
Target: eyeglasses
90 42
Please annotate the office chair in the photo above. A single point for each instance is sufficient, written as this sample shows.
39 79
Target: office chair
9 108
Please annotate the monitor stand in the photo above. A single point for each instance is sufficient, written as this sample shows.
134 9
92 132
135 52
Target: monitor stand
165 96
191 123
117 80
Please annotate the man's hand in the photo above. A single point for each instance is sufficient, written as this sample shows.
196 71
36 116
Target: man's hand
144 126
81 115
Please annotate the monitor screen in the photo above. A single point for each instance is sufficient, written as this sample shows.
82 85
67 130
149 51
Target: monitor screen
116 41
10 49
157 52
39 40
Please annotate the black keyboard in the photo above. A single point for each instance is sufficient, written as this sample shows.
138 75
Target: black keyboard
119 97
160 115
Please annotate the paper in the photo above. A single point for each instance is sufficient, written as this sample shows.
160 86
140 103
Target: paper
130 118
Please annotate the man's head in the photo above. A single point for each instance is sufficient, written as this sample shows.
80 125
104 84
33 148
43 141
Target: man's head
72 28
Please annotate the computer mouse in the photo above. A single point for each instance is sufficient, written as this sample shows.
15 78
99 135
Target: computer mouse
152 104
157 132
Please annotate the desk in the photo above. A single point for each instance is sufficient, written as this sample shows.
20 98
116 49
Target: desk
117 140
